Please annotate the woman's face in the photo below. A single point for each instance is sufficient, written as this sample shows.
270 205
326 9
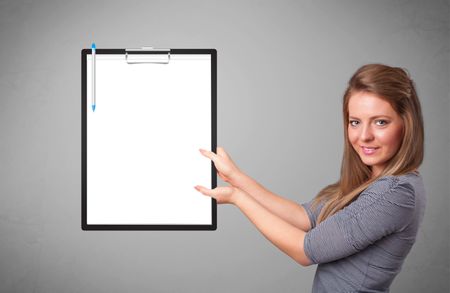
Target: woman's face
375 130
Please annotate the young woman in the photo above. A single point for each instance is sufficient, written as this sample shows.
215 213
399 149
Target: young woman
360 229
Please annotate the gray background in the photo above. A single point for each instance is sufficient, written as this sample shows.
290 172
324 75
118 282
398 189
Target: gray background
282 70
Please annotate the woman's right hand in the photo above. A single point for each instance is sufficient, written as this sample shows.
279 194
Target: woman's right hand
225 167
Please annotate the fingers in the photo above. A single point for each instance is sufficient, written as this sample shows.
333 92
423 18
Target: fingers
221 152
200 188
208 154
223 194
212 156
205 191
218 191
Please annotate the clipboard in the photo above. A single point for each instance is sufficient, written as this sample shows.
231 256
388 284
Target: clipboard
154 109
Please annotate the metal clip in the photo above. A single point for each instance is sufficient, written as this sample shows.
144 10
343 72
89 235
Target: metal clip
147 55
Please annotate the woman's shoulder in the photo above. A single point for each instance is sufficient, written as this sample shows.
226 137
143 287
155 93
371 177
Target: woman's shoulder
405 183
386 192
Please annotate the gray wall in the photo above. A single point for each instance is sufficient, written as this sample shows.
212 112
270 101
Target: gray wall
282 69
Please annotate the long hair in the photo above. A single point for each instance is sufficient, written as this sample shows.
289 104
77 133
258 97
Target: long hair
393 85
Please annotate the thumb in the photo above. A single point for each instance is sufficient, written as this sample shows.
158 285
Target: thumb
221 152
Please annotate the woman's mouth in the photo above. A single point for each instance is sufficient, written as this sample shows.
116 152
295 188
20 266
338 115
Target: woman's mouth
369 150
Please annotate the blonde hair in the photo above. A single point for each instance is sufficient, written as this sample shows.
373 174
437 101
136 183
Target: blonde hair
393 85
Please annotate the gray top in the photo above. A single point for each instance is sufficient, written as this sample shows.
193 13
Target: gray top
362 247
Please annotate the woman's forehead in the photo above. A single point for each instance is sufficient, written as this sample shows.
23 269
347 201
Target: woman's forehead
368 105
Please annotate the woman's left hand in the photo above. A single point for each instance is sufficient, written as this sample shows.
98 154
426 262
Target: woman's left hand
223 194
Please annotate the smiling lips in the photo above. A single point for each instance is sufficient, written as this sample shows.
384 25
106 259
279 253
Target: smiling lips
369 150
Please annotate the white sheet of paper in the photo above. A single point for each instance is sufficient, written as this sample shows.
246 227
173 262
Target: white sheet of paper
143 139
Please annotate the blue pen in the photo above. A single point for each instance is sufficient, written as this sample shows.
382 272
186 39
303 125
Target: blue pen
93 76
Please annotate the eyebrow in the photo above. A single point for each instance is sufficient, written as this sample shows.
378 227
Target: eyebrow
373 117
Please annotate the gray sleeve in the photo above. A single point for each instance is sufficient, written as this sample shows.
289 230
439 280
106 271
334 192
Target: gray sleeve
385 207
313 213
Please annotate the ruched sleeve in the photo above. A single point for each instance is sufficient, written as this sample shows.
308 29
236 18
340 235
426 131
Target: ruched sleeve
313 212
383 208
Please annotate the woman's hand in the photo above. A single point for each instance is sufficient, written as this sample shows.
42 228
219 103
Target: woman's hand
285 236
228 171
226 168
223 194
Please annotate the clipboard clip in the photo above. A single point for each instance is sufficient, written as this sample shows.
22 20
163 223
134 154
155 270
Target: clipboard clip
147 55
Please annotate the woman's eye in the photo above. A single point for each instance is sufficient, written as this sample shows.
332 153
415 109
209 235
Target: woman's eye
381 122
353 122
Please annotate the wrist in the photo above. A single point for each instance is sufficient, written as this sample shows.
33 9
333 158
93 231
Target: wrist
239 179
238 195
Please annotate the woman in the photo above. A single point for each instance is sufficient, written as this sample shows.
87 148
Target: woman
360 229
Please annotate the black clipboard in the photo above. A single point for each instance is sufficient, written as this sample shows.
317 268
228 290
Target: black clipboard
103 76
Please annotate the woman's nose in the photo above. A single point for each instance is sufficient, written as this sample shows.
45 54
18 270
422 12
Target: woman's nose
366 133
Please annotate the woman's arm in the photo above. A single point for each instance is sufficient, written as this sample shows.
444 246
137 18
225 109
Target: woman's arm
285 236
288 210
